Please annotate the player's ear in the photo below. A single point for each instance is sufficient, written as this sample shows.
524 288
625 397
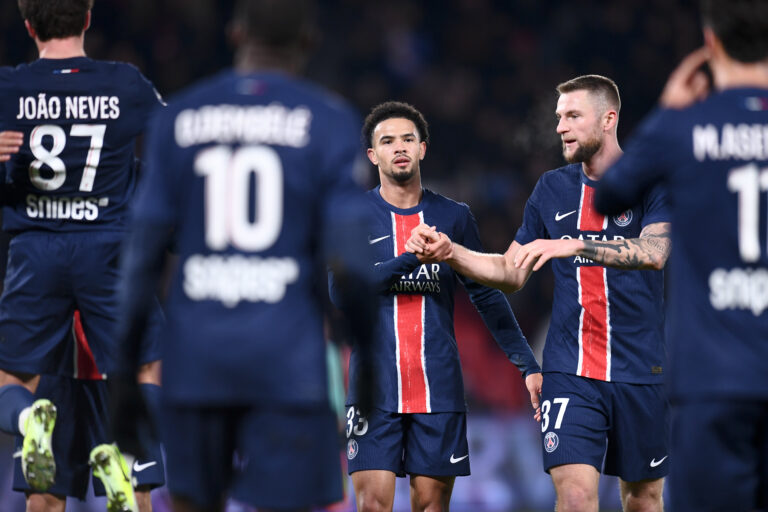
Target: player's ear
422 150
610 119
372 156
711 41
30 30
87 21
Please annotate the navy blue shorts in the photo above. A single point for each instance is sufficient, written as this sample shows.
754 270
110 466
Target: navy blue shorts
721 456
431 444
621 429
81 412
270 458
49 275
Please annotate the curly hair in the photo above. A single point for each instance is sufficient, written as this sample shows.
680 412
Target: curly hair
390 110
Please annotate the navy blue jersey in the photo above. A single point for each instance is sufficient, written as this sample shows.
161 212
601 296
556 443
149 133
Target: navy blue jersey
713 158
80 118
415 351
607 323
253 175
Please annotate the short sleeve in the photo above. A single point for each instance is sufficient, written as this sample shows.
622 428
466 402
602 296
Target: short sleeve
533 226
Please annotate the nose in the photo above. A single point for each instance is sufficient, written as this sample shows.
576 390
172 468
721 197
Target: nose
561 126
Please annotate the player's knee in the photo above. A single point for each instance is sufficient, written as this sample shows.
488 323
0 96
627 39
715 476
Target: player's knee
647 502
370 502
433 502
644 496
436 506
574 498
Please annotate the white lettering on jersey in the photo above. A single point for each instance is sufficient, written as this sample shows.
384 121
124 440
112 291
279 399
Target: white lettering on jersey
65 208
233 278
738 142
272 124
739 288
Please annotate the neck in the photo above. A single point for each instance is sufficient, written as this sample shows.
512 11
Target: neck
731 74
596 166
401 195
251 58
66 48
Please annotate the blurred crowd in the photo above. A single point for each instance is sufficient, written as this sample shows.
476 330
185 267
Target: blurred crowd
482 71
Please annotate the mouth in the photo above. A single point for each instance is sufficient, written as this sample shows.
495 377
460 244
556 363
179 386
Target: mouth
401 161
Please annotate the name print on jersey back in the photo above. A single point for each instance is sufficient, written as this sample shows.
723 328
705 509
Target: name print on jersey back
75 170
75 107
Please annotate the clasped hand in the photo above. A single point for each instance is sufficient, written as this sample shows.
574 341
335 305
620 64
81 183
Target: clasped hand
429 245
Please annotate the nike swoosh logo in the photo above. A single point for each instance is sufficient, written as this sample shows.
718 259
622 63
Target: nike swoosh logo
454 460
655 463
559 217
141 467
375 240
17 454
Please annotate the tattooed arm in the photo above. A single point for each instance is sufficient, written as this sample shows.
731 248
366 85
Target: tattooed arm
648 252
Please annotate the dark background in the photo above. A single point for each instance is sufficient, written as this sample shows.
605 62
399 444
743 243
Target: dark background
484 73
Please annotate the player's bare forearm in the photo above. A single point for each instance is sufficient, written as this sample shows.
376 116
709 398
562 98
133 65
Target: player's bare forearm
648 252
494 270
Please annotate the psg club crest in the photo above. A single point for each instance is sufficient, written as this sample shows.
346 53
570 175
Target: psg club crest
623 219
551 441
352 449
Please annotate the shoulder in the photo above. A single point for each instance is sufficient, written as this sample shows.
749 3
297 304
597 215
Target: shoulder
557 179
8 73
457 208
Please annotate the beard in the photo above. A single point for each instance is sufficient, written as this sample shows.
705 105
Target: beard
584 152
403 176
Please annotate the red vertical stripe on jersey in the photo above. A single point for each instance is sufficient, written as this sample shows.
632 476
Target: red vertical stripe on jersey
86 363
593 328
414 394
589 219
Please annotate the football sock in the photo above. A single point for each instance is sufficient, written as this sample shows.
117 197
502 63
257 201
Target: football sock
13 400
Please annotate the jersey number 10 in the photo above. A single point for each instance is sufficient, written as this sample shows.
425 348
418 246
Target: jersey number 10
227 174
748 182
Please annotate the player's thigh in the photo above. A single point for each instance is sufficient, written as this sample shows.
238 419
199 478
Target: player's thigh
431 492
374 489
436 444
720 452
576 486
35 307
375 441
638 442
574 421
289 458
199 449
